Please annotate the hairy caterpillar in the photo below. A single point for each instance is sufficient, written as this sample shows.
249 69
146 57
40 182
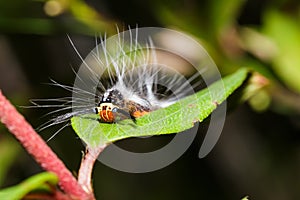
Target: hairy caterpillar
125 76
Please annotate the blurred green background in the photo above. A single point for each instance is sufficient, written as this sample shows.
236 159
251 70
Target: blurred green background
258 153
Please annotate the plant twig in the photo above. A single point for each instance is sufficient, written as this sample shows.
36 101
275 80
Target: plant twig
36 146
86 167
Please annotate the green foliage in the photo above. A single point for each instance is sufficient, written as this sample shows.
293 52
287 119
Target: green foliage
285 32
42 17
224 13
9 150
42 182
173 119
245 198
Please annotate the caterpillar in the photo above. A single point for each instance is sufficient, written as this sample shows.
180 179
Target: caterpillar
123 77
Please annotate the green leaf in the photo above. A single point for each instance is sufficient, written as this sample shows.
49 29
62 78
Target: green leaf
173 119
284 31
245 198
224 13
40 181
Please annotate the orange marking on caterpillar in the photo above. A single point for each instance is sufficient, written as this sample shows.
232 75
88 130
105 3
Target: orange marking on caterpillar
138 113
106 116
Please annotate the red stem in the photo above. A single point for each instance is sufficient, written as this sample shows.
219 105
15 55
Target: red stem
86 167
37 147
